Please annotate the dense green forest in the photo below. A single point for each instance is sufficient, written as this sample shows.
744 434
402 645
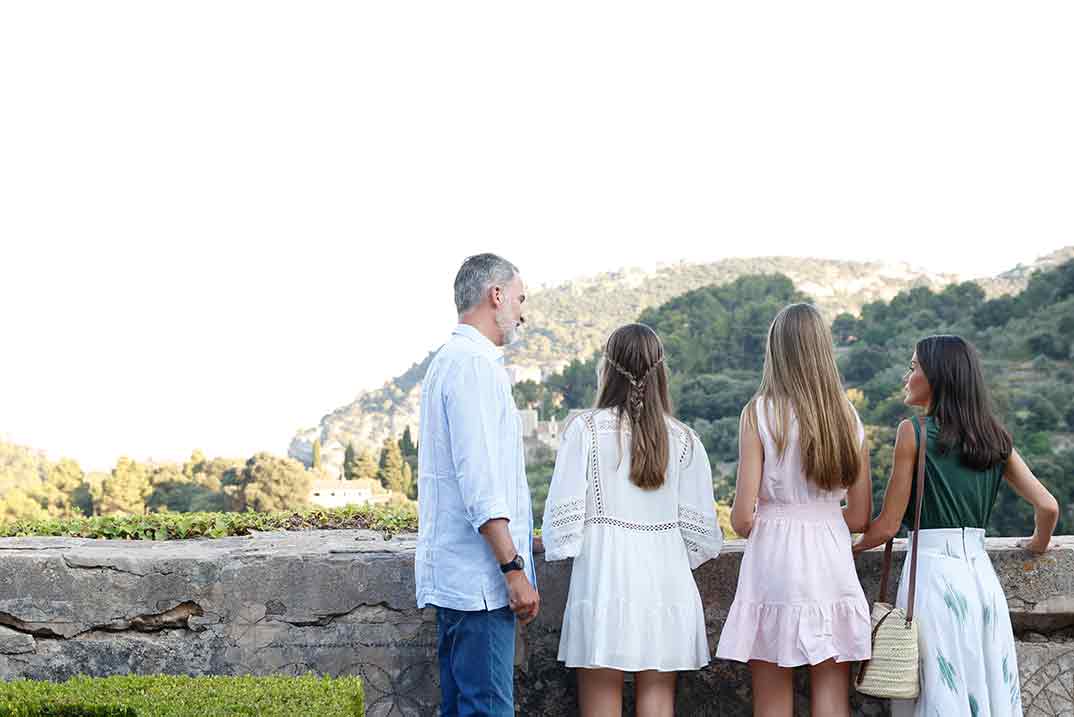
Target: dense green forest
32 487
715 340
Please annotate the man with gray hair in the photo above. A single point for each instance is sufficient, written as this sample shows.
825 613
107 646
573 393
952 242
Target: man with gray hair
474 560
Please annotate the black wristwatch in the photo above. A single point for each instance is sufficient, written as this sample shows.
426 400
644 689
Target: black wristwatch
516 563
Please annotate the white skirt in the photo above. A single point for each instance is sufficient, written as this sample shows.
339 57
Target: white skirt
633 604
968 661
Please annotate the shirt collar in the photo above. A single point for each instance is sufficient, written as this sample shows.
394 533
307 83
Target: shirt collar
486 347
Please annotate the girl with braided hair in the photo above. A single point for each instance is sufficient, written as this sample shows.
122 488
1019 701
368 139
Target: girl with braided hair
631 501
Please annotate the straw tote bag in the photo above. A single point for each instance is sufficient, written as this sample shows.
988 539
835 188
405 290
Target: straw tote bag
892 672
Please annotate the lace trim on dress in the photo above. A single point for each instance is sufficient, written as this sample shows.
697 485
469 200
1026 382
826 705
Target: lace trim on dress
611 425
683 434
564 514
643 527
686 451
567 539
694 521
594 464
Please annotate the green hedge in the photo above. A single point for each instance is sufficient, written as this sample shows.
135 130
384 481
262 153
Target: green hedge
178 696
48 710
389 519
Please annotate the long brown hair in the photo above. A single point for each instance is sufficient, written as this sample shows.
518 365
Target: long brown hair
633 379
800 375
961 405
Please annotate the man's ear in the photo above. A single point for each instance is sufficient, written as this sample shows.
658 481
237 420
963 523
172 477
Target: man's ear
496 296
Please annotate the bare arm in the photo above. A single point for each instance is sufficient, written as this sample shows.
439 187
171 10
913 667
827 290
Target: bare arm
750 466
860 496
522 597
1045 506
897 496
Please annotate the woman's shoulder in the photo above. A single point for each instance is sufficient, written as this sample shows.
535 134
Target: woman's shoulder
685 441
678 429
577 421
590 419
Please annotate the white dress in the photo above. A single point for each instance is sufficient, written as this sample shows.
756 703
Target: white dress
633 604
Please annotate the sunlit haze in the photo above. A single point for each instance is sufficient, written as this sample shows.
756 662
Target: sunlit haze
220 221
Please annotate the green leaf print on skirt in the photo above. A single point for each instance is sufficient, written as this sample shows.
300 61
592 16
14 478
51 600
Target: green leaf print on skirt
1010 679
974 709
947 672
995 618
956 602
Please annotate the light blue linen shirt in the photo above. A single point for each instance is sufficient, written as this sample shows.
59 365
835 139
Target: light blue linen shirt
471 469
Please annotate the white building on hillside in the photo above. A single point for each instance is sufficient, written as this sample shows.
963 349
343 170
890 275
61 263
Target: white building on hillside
337 493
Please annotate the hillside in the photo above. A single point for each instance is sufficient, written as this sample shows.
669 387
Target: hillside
572 319
715 337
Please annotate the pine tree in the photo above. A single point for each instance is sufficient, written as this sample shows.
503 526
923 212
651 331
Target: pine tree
63 481
391 466
170 489
406 443
268 483
366 467
350 461
195 464
125 490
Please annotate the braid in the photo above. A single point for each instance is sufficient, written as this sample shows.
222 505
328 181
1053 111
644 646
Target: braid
637 386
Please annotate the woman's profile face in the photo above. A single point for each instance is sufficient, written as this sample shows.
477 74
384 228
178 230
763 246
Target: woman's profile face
916 389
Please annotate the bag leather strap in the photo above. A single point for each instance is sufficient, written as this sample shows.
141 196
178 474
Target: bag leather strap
919 463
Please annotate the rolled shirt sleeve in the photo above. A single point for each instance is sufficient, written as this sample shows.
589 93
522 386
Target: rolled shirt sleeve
475 408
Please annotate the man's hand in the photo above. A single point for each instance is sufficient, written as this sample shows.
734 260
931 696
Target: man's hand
521 597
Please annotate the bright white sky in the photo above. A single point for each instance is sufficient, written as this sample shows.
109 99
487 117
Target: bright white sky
221 220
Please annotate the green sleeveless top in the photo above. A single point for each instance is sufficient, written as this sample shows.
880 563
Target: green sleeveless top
956 496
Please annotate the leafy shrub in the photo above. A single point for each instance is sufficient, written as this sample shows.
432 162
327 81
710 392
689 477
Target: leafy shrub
178 526
181 696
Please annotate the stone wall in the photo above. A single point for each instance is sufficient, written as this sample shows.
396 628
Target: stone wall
341 602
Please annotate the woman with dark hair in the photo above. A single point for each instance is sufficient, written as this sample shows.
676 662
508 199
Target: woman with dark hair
968 661
631 501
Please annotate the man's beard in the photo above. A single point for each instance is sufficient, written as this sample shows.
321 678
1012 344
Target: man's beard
507 325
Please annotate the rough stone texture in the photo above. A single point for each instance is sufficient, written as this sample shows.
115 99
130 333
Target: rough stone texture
341 602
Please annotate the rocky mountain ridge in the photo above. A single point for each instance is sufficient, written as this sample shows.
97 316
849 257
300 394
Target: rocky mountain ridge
571 320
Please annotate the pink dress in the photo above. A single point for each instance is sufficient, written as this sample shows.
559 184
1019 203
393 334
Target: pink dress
799 601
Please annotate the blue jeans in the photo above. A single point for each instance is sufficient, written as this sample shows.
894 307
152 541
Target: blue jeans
477 662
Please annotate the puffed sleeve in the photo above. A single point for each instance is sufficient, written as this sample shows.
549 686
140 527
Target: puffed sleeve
698 524
564 509
473 402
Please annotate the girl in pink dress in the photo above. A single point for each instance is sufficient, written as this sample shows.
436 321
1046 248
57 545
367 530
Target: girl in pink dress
802 452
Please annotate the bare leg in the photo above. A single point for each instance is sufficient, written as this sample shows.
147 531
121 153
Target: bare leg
829 684
654 693
600 692
773 690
